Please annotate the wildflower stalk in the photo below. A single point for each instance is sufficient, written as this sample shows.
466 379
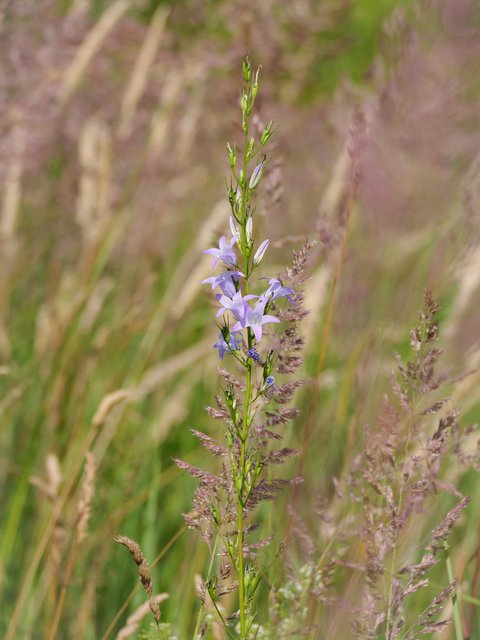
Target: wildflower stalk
246 110
223 502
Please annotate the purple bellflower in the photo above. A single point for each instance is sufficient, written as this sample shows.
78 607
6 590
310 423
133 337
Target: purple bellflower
255 319
224 252
225 282
237 305
234 342
277 290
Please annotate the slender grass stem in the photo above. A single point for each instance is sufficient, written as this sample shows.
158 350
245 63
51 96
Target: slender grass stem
66 581
45 538
457 617
209 573
224 622
394 551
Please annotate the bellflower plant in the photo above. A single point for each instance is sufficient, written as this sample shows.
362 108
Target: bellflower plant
247 311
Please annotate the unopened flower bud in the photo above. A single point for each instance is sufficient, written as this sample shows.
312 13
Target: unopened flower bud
255 84
253 354
251 145
235 230
260 252
246 69
249 230
244 102
269 381
256 175
266 133
232 155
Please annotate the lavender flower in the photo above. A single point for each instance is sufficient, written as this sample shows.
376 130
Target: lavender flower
223 253
255 319
238 305
225 282
277 290
234 342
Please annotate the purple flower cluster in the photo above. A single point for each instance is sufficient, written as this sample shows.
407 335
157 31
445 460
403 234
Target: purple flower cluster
233 300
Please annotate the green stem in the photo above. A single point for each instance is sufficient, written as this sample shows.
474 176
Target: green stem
209 574
248 391
413 400
399 510
457 618
240 506
243 211
223 620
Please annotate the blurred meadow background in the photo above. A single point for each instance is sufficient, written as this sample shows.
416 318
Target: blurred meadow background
114 120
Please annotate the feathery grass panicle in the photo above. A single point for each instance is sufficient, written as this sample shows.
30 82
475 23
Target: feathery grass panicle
401 475
379 511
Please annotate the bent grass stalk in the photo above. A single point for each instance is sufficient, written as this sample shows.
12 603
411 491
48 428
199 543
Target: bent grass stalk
209 573
131 595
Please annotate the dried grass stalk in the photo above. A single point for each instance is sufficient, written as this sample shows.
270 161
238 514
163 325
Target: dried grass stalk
85 503
91 45
107 404
13 187
93 206
50 487
83 516
139 77
144 572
